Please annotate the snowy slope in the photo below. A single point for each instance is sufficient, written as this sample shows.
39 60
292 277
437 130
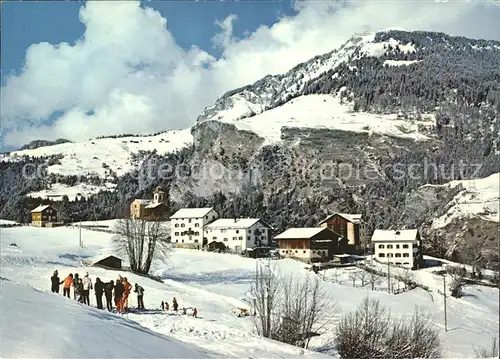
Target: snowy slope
57 191
217 283
65 328
40 251
479 198
84 158
320 111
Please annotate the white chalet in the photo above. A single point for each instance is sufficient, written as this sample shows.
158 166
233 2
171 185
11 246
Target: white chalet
239 234
402 247
187 224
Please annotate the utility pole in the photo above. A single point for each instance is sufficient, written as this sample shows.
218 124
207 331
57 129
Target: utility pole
388 276
80 234
444 296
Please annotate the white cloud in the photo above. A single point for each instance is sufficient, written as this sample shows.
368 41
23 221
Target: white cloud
130 72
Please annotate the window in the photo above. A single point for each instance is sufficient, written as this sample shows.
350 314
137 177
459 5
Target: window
249 239
176 241
196 224
206 217
195 241
381 246
240 238
389 246
235 238
182 241
397 246
196 233
405 246
304 251
398 255
398 263
406 255
381 255
406 263
223 231
237 231
189 220
183 225
214 238
225 239
176 233
390 255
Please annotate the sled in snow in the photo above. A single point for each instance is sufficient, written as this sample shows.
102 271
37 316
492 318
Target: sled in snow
241 312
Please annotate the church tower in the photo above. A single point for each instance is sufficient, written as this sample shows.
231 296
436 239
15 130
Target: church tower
158 195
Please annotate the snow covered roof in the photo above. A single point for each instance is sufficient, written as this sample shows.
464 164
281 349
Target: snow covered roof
143 201
153 205
41 208
191 212
236 223
402 235
351 217
300 233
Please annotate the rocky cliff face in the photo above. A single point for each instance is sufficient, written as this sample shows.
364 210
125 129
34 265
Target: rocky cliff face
365 128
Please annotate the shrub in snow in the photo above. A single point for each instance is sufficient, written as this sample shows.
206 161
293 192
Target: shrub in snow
371 332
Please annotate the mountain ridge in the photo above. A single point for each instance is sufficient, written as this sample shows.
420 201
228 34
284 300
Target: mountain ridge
412 99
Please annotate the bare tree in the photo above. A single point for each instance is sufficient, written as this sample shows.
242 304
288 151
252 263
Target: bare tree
374 279
266 291
371 332
363 277
336 274
353 276
141 241
289 310
305 310
484 352
457 281
408 278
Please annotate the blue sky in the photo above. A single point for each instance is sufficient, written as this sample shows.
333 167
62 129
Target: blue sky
191 22
79 70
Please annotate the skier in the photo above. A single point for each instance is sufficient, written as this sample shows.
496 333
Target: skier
118 295
127 287
68 282
99 290
195 312
167 307
174 304
54 282
75 286
162 306
140 296
79 290
108 293
87 286
183 311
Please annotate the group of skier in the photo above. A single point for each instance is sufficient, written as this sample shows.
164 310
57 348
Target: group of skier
175 307
82 287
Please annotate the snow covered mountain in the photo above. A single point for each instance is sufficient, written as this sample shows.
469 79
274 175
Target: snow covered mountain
355 129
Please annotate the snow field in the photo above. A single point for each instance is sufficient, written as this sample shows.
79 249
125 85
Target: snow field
217 283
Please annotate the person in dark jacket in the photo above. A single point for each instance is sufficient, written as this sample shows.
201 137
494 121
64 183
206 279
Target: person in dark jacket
99 291
140 296
174 304
75 286
108 293
119 289
55 282
79 290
